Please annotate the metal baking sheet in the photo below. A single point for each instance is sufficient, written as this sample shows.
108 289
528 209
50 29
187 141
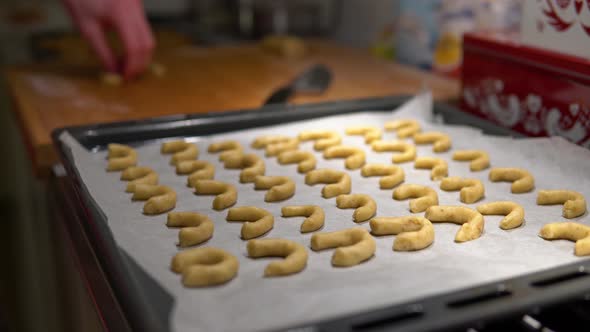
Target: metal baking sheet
321 292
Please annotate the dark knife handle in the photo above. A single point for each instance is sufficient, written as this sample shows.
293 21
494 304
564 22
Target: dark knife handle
280 96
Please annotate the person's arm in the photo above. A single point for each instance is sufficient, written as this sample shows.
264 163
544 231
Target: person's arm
94 17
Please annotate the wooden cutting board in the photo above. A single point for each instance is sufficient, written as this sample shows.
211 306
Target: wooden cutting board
197 80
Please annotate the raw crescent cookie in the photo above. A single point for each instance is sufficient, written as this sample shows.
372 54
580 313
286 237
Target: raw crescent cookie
137 175
439 168
226 193
314 216
257 221
415 232
306 160
365 206
198 170
480 160
574 203
355 157
569 231
120 157
407 151
424 196
514 213
295 255
404 128
196 228
160 199
229 148
279 188
201 267
323 138
337 182
354 245
392 175
522 180
251 166
472 190
369 132
470 220
182 151
275 144
440 142
264 141
277 148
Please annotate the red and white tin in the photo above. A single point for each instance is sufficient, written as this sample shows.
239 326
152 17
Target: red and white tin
533 91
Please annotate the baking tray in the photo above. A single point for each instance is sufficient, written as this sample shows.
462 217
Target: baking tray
147 306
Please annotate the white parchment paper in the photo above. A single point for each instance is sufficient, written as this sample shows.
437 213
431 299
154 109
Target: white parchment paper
251 302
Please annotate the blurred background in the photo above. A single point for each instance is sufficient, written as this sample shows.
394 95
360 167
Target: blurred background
41 290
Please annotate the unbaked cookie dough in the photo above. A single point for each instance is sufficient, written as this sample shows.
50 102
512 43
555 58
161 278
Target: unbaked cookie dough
180 150
159 198
195 229
227 194
369 132
275 144
306 160
391 175
205 266
364 205
137 175
354 245
355 157
440 142
470 220
257 221
337 182
314 214
569 231
574 203
413 232
514 213
120 157
250 164
522 180
438 166
407 151
324 138
472 190
227 149
424 197
198 170
279 188
405 128
295 255
479 160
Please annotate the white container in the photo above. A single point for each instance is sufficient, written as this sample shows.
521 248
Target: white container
559 25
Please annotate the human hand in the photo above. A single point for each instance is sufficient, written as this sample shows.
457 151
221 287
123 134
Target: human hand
95 17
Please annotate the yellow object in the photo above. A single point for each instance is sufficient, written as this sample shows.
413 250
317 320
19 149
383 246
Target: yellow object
354 245
295 255
202 267
257 221
415 232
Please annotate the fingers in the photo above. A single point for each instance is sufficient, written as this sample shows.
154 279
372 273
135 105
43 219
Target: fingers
94 33
137 40
129 21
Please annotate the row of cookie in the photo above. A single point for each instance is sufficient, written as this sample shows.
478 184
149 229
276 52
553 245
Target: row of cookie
280 188
472 190
207 266
143 181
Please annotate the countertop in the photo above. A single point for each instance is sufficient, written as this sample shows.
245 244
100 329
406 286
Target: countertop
197 80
